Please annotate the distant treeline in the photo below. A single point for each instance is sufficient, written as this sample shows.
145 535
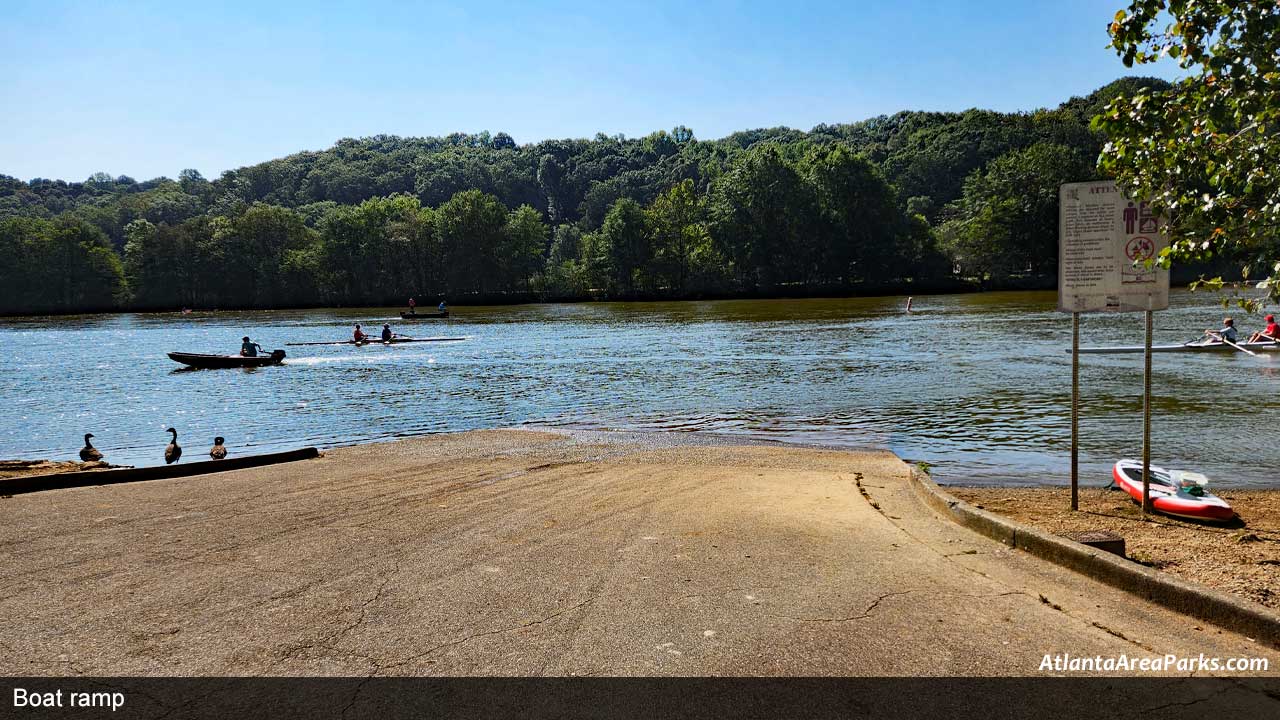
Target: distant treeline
913 200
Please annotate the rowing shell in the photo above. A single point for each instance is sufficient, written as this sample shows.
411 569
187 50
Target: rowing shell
1197 346
375 341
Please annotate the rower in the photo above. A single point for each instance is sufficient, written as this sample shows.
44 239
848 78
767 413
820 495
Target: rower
386 333
413 307
1227 333
249 348
1271 333
359 336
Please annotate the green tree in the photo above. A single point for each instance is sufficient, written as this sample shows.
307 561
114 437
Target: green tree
68 266
762 218
523 246
999 230
159 266
550 177
623 251
678 231
259 242
382 250
1204 151
859 212
17 235
471 227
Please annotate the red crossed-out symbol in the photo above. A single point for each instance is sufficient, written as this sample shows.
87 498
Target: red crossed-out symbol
1140 248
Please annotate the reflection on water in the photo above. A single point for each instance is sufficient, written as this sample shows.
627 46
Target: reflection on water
978 385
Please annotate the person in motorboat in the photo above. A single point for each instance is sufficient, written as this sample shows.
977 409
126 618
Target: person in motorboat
441 307
248 348
386 333
1227 333
1270 334
413 307
358 335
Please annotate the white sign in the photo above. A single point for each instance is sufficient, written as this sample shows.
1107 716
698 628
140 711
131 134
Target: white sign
1104 242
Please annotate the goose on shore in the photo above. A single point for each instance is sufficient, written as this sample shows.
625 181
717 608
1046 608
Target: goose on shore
89 453
217 452
172 451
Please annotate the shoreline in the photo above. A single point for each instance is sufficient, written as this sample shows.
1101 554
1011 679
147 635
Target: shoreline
18 468
1242 559
479 303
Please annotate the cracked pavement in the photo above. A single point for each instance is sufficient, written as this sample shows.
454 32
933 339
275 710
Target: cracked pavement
535 553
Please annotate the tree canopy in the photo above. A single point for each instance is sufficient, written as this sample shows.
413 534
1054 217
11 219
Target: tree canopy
942 200
1204 151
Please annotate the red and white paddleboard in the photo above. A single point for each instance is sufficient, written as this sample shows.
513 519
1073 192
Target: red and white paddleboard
1172 492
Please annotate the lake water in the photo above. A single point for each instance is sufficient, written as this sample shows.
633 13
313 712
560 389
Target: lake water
978 385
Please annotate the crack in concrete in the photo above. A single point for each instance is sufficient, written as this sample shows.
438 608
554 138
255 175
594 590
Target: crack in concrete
857 481
329 643
1197 701
1095 624
722 591
864 615
355 695
1122 636
452 643
1042 598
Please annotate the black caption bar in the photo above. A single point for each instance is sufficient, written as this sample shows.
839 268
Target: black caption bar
647 698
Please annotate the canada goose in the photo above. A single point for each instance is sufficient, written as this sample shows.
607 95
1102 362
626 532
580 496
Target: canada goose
217 452
89 453
172 451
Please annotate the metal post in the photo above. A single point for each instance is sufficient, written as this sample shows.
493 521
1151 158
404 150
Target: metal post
1146 419
1075 411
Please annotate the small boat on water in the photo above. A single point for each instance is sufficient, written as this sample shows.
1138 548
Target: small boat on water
377 341
1194 346
424 316
1173 492
209 362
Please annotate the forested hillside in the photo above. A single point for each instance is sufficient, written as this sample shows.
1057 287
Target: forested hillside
913 200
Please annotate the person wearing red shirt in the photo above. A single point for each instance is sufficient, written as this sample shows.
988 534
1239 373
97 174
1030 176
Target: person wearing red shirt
1271 333
358 335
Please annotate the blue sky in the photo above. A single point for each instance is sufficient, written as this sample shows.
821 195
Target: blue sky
149 88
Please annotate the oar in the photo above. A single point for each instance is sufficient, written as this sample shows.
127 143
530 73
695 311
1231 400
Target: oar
1241 349
327 342
1206 334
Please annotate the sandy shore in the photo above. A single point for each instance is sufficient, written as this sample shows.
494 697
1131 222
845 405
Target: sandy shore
1243 558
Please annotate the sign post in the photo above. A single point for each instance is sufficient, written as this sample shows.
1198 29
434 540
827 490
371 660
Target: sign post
1075 411
1107 245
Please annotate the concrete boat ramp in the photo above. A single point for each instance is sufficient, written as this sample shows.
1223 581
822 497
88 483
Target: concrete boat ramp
533 553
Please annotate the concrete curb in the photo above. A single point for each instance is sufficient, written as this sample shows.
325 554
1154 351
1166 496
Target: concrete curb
88 478
1212 606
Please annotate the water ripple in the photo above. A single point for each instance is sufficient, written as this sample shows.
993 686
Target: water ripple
978 385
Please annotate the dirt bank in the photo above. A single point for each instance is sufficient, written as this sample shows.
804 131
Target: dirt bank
26 468
1243 558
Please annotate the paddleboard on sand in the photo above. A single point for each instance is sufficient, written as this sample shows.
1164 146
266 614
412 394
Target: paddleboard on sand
1173 492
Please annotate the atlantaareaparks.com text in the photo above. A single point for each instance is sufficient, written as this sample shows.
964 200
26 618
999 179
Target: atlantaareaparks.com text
1166 663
